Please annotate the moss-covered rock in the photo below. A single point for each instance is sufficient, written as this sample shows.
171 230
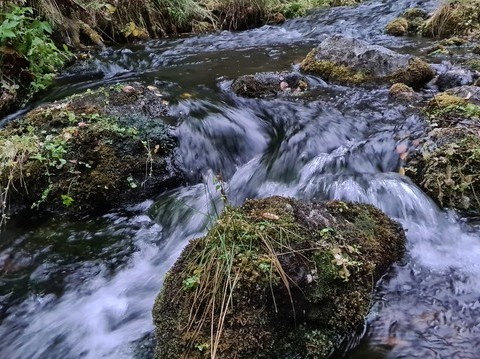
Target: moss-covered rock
448 168
448 110
352 61
397 27
89 152
275 278
447 164
472 93
416 74
411 23
269 84
331 71
402 92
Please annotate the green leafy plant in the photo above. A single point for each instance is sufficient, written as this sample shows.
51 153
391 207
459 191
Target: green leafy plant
30 39
67 201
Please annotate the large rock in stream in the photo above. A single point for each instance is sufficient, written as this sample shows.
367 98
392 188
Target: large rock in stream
352 61
447 163
275 278
88 153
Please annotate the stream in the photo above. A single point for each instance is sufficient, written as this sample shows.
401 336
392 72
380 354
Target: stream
85 288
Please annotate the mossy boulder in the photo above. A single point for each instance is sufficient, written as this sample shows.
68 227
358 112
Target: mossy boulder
88 153
403 93
269 84
275 278
416 74
347 60
447 110
447 164
448 168
397 27
410 23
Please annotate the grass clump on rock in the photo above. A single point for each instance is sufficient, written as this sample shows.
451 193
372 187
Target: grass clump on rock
453 18
88 153
275 278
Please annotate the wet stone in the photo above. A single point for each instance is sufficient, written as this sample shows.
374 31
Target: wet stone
269 84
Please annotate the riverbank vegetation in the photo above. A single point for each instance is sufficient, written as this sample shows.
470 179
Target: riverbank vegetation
29 58
451 18
30 30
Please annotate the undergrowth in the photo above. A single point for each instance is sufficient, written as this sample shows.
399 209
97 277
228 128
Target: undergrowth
452 18
24 37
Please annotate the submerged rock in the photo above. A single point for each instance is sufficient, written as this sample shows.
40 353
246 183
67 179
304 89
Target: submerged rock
269 84
275 278
89 152
349 60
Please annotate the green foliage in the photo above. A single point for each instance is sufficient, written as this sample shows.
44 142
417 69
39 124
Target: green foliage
30 38
67 201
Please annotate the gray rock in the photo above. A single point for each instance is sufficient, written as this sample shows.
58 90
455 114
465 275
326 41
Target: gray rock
455 77
361 56
269 84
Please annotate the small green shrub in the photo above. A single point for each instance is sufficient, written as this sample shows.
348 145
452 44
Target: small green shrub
30 39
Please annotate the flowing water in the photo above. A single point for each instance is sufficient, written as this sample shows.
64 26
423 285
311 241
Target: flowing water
85 289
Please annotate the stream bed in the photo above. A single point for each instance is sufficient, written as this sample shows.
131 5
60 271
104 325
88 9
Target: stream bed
85 288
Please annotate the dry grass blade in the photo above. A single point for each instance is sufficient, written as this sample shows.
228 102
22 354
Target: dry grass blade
218 262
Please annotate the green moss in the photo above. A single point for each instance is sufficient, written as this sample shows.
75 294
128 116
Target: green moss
82 154
415 75
452 41
473 65
331 71
414 13
399 88
272 264
397 27
449 171
446 110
